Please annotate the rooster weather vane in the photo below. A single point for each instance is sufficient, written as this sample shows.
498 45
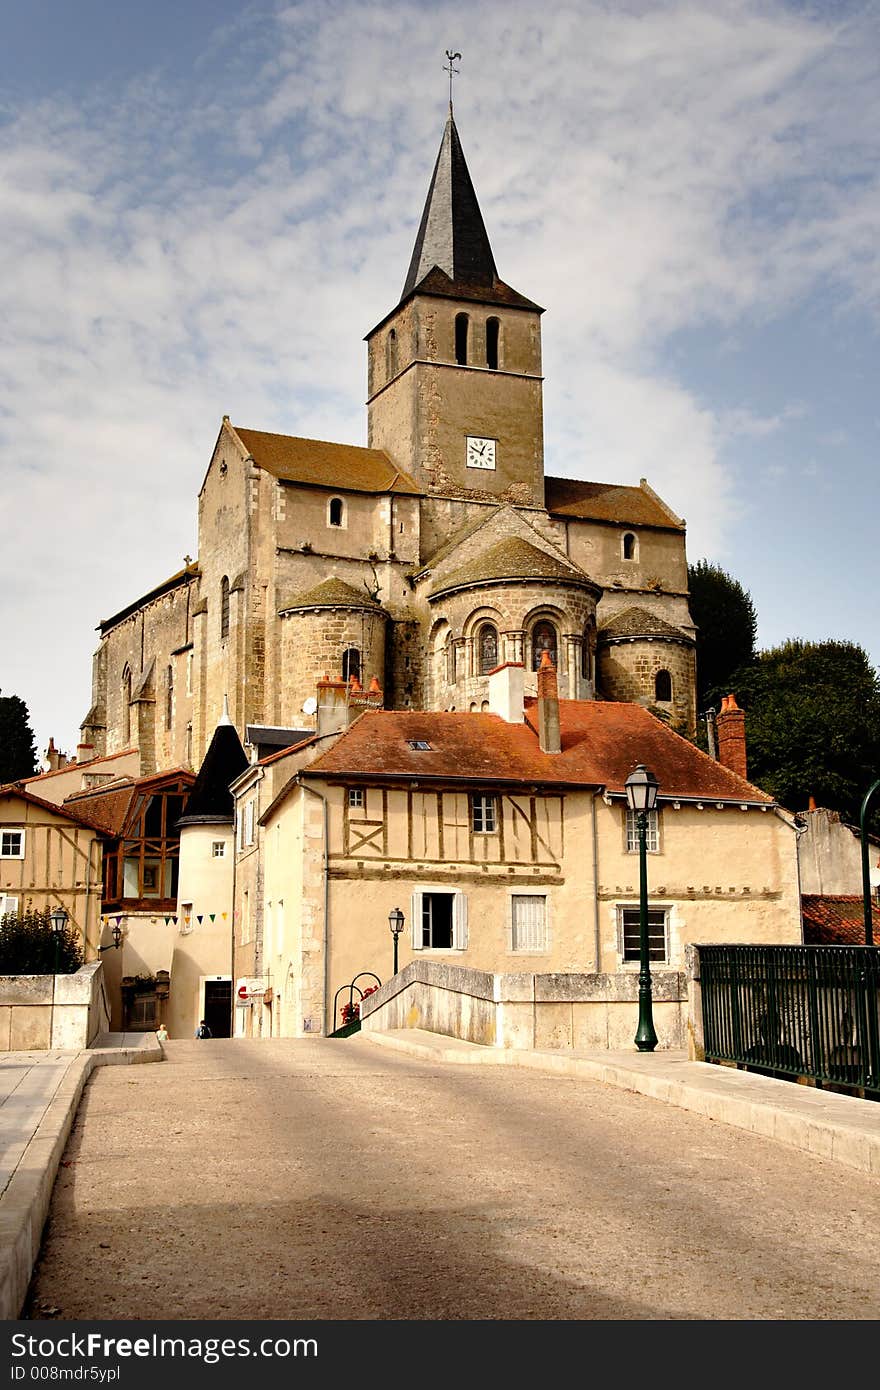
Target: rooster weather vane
451 69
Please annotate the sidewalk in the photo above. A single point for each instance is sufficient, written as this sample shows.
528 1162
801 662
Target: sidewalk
841 1128
39 1096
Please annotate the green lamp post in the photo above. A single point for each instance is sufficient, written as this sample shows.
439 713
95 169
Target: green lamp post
641 795
395 923
866 872
58 917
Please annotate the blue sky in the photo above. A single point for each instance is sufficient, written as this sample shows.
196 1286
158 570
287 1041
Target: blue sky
207 205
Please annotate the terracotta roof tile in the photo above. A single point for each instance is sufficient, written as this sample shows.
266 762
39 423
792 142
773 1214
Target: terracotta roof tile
837 920
634 506
344 466
601 744
81 816
637 622
512 558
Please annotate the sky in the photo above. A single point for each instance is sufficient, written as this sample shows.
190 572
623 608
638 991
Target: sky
207 205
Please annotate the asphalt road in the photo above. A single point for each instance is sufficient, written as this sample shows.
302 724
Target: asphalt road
335 1179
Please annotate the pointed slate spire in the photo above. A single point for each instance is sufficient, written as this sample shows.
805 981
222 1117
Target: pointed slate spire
210 801
452 234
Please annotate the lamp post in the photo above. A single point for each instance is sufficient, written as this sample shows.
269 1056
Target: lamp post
641 796
395 922
115 943
58 917
866 873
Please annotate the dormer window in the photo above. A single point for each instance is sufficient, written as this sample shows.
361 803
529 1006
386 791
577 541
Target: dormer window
493 333
335 511
419 745
461 339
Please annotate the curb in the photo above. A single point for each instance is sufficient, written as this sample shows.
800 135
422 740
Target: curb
24 1205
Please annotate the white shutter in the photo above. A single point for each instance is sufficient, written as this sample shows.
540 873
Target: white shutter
459 922
7 904
416 919
529 922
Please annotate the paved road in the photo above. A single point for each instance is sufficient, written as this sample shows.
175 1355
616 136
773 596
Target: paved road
335 1179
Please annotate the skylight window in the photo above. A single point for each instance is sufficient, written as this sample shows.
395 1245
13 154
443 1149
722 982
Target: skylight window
419 744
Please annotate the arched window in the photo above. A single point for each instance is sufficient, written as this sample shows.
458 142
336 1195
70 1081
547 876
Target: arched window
126 704
493 330
450 660
586 655
487 649
461 339
663 686
335 511
351 664
169 696
629 546
391 354
543 640
224 607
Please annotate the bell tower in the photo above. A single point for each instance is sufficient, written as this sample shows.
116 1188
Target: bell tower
454 371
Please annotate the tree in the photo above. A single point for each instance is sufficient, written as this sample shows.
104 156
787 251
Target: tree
28 946
726 629
813 724
18 753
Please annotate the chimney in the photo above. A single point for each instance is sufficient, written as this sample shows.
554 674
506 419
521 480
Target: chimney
731 727
85 752
332 713
507 686
54 757
548 707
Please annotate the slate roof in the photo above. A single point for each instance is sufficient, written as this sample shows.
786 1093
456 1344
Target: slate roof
632 506
513 558
637 622
331 593
837 920
210 799
601 744
342 467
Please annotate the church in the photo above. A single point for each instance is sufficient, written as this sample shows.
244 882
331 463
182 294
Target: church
421 562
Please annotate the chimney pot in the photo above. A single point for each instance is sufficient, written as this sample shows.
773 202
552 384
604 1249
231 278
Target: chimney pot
549 737
730 727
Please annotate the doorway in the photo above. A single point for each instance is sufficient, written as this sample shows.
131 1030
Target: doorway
218 1007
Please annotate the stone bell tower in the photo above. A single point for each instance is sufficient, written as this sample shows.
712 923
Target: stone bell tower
454 371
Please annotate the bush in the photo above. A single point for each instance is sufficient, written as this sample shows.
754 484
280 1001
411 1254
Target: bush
27 946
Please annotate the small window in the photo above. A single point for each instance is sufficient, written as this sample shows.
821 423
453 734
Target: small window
419 744
483 817
169 696
439 920
8 905
657 933
543 640
218 849
630 546
249 824
586 660
528 922
652 833
493 329
663 686
461 339
351 664
224 607
487 649
189 673
335 512
12 844
355 796
391 354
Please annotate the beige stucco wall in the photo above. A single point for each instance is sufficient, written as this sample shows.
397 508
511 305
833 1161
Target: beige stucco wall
62 866
830 855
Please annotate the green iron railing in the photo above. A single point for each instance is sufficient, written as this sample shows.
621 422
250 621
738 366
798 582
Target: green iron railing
795 1011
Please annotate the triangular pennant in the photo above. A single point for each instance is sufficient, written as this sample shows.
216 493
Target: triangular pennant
212 915
200 917
174 920
167 920
224 915
119 921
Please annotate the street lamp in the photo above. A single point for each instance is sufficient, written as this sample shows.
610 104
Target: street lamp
866 873
641 795
395 922
58 917
117 938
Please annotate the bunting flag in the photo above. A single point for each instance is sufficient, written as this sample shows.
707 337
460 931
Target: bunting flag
224 915
174 920
119 921
212 915
167 920
200 918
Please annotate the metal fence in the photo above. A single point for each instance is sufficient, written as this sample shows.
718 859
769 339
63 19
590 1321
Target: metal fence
795 1011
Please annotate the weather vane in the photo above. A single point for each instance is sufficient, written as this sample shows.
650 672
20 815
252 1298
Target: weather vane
453 57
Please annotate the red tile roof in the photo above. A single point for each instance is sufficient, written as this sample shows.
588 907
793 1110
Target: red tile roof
629 506
837 920
346 467
81 815
75 766
601 744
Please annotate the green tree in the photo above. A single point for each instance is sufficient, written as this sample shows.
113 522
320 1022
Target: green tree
18 753
726 629
28 946
812 724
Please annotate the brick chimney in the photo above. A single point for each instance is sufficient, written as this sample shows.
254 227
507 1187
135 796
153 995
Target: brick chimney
54 757
332 713
507 684
731 728
548 707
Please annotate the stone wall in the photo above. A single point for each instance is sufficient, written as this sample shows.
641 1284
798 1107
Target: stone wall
627 671
38 1012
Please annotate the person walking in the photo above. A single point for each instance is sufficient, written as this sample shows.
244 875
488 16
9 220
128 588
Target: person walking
162 1033
203 1031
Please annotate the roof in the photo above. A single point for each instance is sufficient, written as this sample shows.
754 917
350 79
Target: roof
837 920
623 506
601 744
637 622
78 814
272 736
210 798
74 765
107 807
342 467
331 593
513 558
183 576
452 255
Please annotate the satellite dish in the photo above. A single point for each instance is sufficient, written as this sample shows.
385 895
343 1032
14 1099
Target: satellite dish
310 705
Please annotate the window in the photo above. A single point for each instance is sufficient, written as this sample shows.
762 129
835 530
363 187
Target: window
420 745
450 661
663 686
483 817
391 355
8 904
355 796
586 663
224 607
351 664
335 511
461 339
652 833
543 640
629 546
169 696
218 849
657 933
528 922
12 844
439 920
126 704
493 328
189 673
249 824
487 649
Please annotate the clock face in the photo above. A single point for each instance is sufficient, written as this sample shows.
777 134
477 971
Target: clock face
480 452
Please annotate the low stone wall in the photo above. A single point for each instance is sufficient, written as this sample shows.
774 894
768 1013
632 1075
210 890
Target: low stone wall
38 1012
562 1011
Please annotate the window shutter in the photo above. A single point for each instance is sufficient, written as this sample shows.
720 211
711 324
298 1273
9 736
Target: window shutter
460 922
416 919
7 904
